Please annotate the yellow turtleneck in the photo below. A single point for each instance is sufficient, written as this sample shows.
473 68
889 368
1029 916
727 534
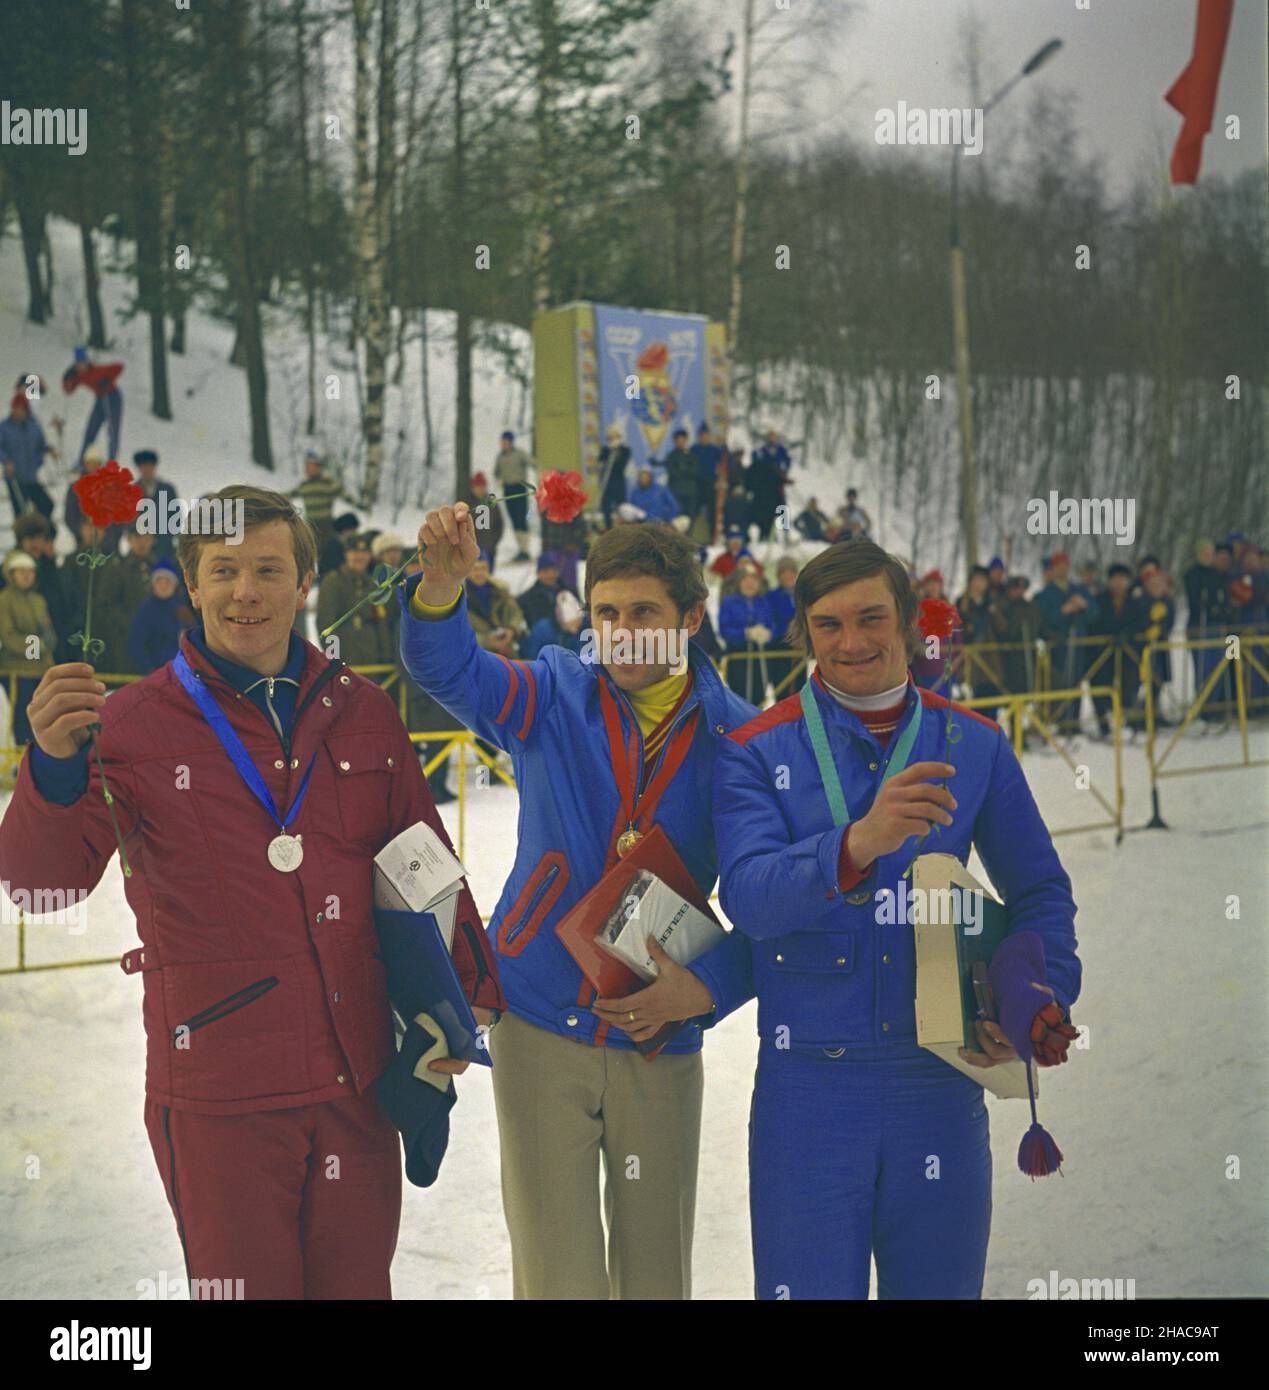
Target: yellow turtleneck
654 702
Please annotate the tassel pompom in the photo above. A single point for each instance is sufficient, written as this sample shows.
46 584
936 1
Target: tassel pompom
1038 1154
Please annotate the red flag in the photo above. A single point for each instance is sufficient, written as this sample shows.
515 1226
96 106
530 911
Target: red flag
1193 94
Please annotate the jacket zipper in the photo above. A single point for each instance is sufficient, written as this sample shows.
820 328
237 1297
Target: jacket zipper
547 879
228 1005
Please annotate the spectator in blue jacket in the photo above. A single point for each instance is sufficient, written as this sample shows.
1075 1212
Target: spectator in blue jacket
708 454
22 452
154 636
604 746
813 846
650 501
780 601
747 624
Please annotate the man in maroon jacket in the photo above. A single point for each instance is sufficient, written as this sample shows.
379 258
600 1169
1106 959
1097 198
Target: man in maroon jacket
254 780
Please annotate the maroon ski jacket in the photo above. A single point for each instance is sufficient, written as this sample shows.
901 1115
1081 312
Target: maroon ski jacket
263 989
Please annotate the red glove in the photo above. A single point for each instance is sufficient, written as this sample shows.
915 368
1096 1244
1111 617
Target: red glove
1050 1037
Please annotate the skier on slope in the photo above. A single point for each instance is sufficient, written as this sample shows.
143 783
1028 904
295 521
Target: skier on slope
102 380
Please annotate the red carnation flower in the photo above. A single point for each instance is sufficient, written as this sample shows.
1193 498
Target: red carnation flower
561 495
937 618
654 358
108 496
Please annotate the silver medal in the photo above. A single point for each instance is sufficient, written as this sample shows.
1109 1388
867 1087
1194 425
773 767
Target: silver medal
286 853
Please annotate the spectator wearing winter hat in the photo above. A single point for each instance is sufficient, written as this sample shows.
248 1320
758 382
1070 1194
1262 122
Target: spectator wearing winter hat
1208 616
996 579
614 458
724 565
765 481
812 523
650 501
107 540
1016 625
932 584
1067 610
388 548
493 613
319 491
513 469
34 536
154 636
538 600
366 638
781 603
982 670
122 587
27 639
1120 619
102 380
682 475
22 452
737 509
854 517
708 455
330 555
488 516
747 625
160 493
1160 618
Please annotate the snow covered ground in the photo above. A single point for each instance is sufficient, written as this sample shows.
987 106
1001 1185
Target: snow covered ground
1171 1085
1170 1090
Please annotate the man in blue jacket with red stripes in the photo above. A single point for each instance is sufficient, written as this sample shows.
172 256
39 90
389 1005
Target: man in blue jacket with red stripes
604 745
863 1144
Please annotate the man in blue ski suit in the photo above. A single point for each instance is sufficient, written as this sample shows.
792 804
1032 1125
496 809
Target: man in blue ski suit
862 1143
602 748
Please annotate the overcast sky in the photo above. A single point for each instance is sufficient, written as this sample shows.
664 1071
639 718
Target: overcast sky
1118 60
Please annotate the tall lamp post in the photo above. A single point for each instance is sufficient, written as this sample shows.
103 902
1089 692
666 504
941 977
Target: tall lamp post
960 321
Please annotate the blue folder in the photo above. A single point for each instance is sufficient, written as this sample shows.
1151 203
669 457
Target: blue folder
422 980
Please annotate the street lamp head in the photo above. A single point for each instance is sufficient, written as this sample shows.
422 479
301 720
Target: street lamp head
1041 56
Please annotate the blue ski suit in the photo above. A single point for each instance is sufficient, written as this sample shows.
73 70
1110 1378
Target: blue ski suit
861 1143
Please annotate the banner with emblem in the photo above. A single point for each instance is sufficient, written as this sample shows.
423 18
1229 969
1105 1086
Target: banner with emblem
652 377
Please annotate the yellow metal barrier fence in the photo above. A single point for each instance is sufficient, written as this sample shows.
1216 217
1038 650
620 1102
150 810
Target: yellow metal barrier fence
1247 655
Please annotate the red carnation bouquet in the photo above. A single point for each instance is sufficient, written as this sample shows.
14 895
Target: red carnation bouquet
560 498
938 619
107 497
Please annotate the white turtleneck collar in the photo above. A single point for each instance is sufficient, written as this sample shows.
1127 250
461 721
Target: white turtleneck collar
885 700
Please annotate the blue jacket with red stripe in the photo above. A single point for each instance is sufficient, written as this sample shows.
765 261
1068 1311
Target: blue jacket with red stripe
547 714
827 972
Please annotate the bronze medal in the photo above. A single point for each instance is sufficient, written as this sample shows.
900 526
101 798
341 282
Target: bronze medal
627 840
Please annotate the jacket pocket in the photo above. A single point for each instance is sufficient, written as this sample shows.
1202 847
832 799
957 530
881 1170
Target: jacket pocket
363 769
818 953
248 994
810 990
538 896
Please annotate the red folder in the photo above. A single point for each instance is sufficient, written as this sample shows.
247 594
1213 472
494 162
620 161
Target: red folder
579 927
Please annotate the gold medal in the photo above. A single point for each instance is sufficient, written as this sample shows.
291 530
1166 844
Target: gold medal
627 840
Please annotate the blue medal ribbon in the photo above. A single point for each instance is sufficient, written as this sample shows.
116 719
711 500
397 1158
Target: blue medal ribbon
900 751
232 745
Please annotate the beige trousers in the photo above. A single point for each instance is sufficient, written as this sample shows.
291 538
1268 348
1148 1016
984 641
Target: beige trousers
561 1104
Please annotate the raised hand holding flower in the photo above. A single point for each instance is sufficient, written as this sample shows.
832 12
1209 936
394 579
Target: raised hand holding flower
107 497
